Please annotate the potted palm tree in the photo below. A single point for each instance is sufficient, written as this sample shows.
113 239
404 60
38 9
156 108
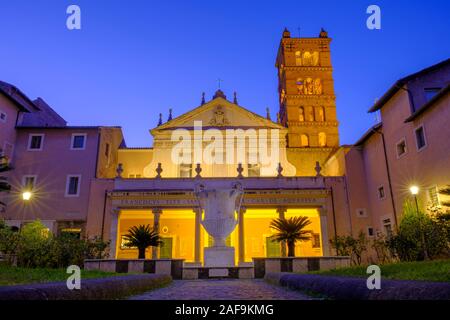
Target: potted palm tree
142 237
290 231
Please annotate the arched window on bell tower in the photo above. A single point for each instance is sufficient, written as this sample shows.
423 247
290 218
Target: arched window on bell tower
321 114
304 140
301 114
322 139
298 58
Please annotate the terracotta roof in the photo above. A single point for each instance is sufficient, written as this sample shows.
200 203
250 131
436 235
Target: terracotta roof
400 83
441 94
17 97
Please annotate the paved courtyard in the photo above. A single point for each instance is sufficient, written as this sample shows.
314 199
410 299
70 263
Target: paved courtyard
221 290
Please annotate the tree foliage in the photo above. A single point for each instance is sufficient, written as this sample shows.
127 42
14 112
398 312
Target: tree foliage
290 231
354 247
34 246
142 237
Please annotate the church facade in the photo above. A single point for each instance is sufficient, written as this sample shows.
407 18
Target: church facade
84 180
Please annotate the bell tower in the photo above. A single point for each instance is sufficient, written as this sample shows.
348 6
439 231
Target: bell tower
306 93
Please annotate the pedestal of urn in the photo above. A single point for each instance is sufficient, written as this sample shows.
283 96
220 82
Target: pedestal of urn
219 255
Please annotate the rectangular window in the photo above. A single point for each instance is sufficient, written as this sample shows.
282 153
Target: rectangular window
186 170
430 93
107 150
78 141
401 148
29 182
370 232
434 196
254 170
71 232
73 186
8 151
420 138
35 142
381 193
2 116
315 240
387 227
134 176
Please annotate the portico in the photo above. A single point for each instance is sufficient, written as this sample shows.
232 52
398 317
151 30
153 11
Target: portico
170 206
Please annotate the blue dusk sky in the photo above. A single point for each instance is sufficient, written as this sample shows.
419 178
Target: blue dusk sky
134 59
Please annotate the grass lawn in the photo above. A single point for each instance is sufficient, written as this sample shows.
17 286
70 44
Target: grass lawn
438 270
12 275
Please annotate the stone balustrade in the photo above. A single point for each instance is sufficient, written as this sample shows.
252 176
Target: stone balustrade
172 267
297 264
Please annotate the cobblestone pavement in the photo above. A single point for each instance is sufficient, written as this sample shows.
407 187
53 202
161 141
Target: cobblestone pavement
221 290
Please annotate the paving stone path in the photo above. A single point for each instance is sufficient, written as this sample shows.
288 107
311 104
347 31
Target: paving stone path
222 290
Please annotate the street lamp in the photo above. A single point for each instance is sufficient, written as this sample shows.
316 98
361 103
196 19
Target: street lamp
26 196
414 191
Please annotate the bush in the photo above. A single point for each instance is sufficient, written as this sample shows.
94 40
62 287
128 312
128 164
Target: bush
9 240
350 246
420 236
36 247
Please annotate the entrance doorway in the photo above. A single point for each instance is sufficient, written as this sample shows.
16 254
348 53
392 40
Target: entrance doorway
273 248
165 251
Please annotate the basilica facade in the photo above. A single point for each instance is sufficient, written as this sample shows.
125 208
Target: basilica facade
85 180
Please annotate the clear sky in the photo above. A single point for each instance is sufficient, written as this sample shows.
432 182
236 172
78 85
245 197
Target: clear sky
134 59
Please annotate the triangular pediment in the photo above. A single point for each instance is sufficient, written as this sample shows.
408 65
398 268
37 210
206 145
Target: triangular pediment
219 113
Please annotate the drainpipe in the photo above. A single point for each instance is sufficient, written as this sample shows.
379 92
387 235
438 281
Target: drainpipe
334 212
104 214
388 176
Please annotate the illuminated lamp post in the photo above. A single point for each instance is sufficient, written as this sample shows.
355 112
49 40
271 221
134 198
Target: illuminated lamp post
414 191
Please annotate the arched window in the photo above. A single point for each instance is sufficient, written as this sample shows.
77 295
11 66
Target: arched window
317 86
301 114
321 114
304 140
300 85
310 114
315 58
322 139
307 58
298 58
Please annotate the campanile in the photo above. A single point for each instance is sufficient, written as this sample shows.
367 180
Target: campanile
306 93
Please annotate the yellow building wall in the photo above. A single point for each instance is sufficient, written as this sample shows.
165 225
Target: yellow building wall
179 224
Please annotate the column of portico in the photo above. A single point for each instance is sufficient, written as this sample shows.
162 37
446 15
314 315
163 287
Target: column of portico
281 215
324 230
241 249
156 215
197 248
114 229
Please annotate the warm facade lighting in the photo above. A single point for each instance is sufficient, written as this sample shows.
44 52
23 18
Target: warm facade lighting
414 190
26 195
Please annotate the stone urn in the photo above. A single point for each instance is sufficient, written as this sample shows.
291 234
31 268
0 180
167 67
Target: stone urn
220 205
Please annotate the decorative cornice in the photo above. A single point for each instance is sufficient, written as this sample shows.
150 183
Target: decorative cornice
311 96
309 149
307 68
313 123
170 199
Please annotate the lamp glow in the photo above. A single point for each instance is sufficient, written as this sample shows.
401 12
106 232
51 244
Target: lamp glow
26 195
414 190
